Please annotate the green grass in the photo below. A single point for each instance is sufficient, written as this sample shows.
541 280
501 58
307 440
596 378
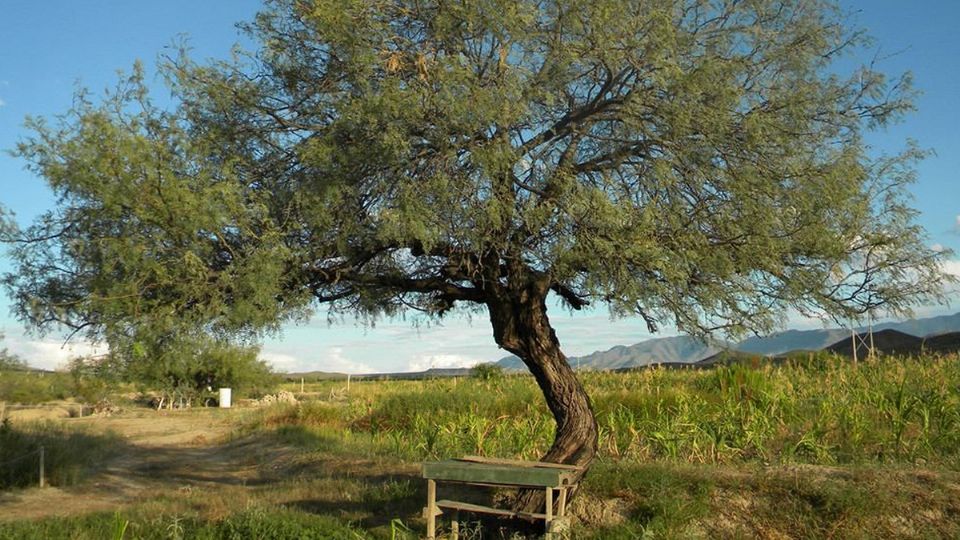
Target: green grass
819 448
70 454
707 501
259 523
819 411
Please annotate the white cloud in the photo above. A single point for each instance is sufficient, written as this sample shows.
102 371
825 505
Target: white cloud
2 102
335 360
48 353
280 361
423 363
952 267
937 247
289 358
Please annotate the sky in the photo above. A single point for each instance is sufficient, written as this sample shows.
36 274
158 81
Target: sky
49 48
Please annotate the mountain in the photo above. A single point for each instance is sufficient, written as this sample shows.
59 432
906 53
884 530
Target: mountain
942 335
934 334
895 342
924 327
792 340
678 349
884 341
949 342
815 340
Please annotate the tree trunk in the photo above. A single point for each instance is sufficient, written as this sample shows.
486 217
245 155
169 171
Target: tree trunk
521 326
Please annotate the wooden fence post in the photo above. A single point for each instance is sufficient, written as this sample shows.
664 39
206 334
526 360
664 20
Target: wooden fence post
42 479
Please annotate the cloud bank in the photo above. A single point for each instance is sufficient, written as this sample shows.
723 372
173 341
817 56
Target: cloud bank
49 353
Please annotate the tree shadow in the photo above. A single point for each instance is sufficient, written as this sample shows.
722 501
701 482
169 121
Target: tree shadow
69 456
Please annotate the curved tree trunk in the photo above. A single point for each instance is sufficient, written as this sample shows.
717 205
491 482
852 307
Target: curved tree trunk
521 326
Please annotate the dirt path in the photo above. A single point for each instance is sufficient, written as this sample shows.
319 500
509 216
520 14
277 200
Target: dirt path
160 453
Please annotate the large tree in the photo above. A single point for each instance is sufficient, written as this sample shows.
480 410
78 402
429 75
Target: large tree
695 163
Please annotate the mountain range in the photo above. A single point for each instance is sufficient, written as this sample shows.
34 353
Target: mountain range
931 334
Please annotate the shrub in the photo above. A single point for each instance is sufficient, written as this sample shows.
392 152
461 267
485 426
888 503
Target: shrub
487 372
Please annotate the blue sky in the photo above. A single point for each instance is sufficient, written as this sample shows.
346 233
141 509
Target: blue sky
48 47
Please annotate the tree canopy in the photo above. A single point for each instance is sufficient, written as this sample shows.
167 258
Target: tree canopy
696 163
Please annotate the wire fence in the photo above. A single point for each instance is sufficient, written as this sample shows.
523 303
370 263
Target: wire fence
38 452
20 458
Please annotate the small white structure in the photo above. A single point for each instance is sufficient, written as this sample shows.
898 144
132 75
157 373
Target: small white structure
224 398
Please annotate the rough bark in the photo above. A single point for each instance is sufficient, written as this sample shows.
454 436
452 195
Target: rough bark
520 325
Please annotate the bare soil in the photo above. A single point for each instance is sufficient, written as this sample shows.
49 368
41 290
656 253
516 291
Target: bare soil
162 453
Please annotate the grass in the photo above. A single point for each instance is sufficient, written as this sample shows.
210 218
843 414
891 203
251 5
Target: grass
816 448
819 411
686 501
70 454
259 523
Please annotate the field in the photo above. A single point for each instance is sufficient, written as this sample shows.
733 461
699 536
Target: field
818 448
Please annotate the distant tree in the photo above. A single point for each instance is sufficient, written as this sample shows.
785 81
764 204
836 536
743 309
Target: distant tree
487 372
695 163
94 378
9 361
188 371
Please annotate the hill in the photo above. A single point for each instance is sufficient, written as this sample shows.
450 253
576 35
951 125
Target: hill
668 350
883 341
942 343
792 340
895 342
815 340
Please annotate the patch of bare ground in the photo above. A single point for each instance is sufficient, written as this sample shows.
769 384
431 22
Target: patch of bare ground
193 463
168 454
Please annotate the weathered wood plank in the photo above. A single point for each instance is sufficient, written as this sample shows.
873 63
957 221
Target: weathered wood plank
479 509
519 462
431 509
465 471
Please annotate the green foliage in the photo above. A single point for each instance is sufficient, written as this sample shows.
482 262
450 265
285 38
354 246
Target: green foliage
10 362
192 369
681 501
20 385
31 387
95 378
487 372
260 523
698 163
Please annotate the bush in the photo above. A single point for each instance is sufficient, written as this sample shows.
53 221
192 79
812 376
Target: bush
487 372
30 387
191 371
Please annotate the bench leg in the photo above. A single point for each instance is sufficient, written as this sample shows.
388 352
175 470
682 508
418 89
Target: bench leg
431 509
455 526
549 512
562 504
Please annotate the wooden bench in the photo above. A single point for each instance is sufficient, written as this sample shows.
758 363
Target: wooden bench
480 471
